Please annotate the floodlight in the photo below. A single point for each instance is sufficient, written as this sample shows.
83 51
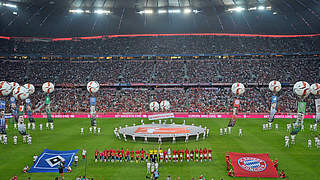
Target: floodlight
161 11
239 9
187 11
261 8
9 5
76 11
174 11
101 11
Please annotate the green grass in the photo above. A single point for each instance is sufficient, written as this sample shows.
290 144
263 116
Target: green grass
298 161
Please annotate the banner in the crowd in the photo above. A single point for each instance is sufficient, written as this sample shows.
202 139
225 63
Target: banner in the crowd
2 104
176 115
317 110
273 108
2 117
252 165
92 101
48 100
13 107
300 117
29 109
233 120
93 111
49 161
161 116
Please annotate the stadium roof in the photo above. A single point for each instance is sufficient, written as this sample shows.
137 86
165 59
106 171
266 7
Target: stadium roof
61 18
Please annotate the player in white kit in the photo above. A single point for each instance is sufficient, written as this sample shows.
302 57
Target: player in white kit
29 139
40 126
225 130
286 140
276 126
99 130
309 143
15 140
264 126
293 139
221 131
81 131
5 139
34 158
288 127
24 139
240 132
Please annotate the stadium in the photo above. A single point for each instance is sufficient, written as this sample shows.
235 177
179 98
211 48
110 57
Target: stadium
159 89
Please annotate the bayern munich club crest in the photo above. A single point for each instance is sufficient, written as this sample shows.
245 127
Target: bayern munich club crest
252 164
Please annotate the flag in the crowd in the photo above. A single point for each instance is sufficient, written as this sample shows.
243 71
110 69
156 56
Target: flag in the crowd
252 165
300 117
236 105
317 110
2 104
92 101
49 161
47 100
273 108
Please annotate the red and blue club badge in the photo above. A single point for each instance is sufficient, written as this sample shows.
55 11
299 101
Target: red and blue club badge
252 164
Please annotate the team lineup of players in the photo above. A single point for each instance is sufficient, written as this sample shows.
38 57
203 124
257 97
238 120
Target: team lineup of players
159 155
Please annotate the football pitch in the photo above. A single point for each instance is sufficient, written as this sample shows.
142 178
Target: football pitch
298 161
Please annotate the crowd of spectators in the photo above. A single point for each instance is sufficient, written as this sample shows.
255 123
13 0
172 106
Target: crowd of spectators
166 45
76 74
163 71
203 100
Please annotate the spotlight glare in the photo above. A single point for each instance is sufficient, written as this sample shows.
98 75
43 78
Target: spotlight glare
9 5
261 8
239 9
174 11
162 11
79 11
187 11
101 11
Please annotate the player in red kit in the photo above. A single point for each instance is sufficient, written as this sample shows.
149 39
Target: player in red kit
210 154
205 154
137 156
230 173
142 155
165 155
101 156
105 155
147 157
113 153
122 154
200 155
117 156
132 155
187 155
282 174
174 155
196 155
109 155
96 154
181 155
177 155
127 155
228 162
276 164
192 155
